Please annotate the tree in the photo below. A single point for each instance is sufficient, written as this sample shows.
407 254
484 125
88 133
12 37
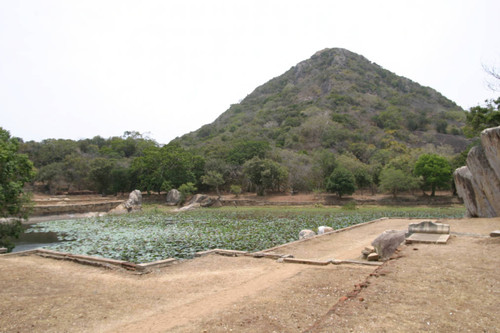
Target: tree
246 150
8 232
394 181
300 170
15 170
341 181
213 178
324 163
481 117
100 174
265 174
171 163
435 171
360 170
494 73
186 190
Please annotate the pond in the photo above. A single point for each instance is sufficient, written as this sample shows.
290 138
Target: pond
155 235
34 240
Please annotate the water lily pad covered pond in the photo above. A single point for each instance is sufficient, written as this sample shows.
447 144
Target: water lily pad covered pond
154 234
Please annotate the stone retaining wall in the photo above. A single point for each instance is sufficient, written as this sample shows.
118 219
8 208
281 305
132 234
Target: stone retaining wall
46 210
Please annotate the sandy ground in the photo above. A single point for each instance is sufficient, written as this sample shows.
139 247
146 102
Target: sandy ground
438 288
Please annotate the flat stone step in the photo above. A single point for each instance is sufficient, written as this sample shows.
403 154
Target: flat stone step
427 238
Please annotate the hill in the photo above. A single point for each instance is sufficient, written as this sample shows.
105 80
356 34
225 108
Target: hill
340 101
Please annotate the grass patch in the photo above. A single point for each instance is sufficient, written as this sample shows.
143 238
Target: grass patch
157 233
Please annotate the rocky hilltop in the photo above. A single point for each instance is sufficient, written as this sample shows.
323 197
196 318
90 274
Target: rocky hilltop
478 183
336 100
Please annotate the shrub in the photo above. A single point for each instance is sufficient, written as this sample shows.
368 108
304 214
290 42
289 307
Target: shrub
236 190
186 190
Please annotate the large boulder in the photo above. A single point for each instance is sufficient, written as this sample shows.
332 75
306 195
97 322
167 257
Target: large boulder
387 242
132 204
173 197
205 201
200 200
306 233
134 200
324 229
478 184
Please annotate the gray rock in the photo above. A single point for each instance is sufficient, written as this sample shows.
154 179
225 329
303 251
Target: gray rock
490 140
465 190
306 233
173 197
429 227
189 207
323 229
3 250
373 257
387 242
484 178
133 203
478 184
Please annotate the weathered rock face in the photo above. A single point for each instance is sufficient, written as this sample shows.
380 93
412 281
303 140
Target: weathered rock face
478 184
388 242
173 197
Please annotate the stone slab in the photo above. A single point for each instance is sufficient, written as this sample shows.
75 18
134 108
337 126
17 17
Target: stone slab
495 233
428 227
427 238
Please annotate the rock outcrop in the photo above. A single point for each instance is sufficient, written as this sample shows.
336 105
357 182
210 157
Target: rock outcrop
478 183
132 204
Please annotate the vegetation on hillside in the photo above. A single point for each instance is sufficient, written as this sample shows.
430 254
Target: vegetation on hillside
335 122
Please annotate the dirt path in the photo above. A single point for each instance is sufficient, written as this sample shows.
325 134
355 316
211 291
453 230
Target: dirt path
243 294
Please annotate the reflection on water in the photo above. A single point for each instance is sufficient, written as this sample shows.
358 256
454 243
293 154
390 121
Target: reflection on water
33 240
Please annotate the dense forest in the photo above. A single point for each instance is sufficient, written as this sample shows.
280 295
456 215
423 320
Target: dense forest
335 122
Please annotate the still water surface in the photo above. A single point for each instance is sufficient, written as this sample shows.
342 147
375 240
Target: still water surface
33 240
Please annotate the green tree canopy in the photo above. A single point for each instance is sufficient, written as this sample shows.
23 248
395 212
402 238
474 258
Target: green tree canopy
435 171
100 174
482 117
265 174
394 181
341 181
246 150
15 170
213 178
170 164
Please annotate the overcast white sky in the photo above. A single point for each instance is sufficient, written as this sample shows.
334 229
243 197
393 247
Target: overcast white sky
76 69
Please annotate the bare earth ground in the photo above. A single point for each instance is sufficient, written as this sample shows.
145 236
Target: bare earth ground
440 288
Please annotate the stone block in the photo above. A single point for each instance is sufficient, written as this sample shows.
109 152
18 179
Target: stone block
429 227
